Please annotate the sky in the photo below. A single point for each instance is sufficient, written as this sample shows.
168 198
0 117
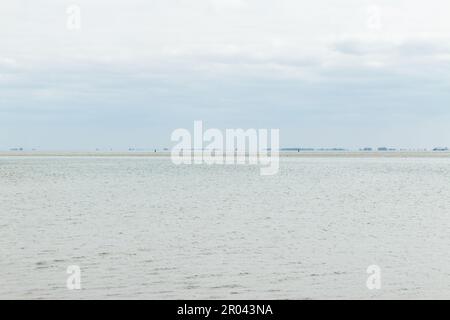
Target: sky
125 74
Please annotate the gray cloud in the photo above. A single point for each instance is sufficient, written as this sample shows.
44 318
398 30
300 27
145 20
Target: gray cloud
138 69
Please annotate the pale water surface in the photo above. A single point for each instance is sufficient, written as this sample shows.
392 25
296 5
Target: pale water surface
144 228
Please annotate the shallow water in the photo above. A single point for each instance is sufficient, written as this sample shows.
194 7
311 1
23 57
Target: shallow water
144 228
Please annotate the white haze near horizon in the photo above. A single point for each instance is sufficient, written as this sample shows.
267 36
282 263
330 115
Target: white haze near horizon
345 73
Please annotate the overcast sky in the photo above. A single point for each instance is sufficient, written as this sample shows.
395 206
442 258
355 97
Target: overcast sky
327 73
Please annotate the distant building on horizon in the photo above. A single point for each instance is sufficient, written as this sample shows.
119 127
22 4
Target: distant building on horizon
383 149
440 149
297 149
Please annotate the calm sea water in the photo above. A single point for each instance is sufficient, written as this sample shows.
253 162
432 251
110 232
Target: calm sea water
144 228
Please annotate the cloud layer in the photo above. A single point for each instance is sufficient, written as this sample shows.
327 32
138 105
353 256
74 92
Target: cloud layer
327 73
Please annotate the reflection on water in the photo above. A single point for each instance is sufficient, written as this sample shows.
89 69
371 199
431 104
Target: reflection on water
144 228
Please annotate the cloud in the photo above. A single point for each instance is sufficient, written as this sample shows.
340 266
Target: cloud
240 62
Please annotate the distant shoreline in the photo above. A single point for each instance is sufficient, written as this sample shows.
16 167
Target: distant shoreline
293 154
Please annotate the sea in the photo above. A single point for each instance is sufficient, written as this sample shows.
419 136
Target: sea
144 228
